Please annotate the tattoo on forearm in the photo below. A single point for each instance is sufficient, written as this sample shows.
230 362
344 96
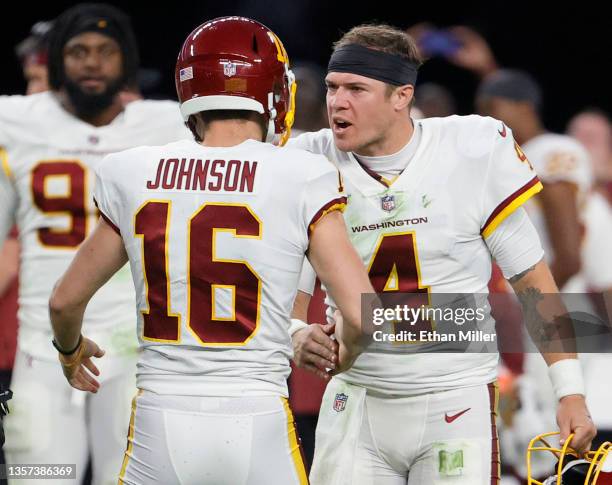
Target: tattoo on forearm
519 276
544 332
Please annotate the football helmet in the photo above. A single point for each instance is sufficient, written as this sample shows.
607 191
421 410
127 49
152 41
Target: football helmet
593 468
235 63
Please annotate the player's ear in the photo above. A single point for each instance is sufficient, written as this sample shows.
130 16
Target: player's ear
402 96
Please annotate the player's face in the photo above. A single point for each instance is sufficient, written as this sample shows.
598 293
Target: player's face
93 62
595 133
359 111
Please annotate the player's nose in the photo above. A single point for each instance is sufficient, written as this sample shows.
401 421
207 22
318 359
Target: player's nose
339 100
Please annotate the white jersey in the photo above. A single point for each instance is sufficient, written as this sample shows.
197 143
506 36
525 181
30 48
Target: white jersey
427 230
216 239
48 157
557 158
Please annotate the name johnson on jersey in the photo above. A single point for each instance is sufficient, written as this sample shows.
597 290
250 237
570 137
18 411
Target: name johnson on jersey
207 175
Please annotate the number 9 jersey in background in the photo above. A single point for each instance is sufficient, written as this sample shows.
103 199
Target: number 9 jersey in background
216 239
426 232
48 159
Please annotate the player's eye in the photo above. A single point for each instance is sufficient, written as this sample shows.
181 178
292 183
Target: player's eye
77 52
108 50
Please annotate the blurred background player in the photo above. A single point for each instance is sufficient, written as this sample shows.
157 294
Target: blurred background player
433 100
561 162
51 142
33 54
593 129
212 404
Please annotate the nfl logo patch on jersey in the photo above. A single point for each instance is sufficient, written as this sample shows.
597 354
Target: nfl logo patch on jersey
388 203
340 402
229 68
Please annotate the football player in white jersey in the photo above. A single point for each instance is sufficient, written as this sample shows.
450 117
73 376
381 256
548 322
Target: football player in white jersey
429 203
216 231
50 144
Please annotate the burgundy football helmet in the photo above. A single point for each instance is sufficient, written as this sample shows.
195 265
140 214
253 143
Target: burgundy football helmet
239 64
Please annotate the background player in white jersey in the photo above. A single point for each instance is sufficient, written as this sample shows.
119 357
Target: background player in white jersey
216 231
562 164
429 203
50 144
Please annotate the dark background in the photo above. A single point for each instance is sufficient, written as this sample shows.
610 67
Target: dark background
565 46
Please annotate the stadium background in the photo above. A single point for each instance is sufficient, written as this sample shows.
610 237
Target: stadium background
566 46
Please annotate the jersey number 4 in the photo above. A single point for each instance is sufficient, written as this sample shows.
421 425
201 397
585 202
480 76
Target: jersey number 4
152 225
395 268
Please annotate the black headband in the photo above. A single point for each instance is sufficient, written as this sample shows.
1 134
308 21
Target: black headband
101 25
388 68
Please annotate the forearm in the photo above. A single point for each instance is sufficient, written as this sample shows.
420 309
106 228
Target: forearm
342 272
99 257
66 321
346 281
544 312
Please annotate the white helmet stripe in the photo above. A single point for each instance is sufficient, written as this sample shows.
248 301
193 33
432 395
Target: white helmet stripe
220 102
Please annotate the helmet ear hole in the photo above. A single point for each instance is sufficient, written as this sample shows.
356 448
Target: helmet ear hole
255 45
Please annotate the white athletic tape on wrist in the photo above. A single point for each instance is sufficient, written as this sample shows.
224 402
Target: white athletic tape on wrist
566 377
296 324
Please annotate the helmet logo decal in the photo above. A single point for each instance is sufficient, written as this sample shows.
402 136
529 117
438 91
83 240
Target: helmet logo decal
236 85
186 74
229 68
281 55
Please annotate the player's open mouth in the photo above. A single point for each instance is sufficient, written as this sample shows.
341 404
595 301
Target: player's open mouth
340 125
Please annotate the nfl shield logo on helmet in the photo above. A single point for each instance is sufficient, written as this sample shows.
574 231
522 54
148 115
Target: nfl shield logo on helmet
340 402
229 69
388 203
